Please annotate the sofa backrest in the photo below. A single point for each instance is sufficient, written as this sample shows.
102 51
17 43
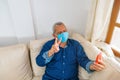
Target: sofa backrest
35 47
14 63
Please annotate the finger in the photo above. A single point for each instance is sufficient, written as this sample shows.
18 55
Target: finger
55 48
95 67
59 41
101 62
99 66
56 40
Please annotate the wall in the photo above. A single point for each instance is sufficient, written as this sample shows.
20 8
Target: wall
16 23
25 20
73 13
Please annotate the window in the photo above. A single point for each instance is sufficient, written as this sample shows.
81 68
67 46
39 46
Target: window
113 36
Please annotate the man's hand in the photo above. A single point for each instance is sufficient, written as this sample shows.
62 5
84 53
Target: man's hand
55 47
97 66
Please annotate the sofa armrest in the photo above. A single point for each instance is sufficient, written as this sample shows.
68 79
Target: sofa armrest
116 51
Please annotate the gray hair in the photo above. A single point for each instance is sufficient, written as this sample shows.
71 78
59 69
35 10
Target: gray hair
57 24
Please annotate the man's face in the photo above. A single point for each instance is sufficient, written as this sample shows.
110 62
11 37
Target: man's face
59 29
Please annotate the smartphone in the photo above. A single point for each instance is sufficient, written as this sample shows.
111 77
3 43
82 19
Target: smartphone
98 58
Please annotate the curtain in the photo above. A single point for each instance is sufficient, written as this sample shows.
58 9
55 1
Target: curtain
98 20
16 23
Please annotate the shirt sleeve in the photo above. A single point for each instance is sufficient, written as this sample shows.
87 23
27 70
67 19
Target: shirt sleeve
82 58
88 67
46 57
41 59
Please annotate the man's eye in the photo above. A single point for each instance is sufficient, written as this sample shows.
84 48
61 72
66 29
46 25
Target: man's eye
59 32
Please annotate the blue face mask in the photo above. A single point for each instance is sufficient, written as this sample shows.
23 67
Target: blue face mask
63 36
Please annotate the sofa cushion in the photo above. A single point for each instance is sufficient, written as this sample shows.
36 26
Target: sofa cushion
14 63
105 48
37 78
35 47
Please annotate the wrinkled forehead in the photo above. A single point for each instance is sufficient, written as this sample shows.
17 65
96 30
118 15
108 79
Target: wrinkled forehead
59 28
62 26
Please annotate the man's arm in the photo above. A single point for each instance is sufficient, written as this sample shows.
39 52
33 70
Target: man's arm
47 53
43 59
89 70
86 63
81 57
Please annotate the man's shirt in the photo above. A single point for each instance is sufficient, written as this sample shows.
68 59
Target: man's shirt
63 65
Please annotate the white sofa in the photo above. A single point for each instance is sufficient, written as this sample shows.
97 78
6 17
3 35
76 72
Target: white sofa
17 62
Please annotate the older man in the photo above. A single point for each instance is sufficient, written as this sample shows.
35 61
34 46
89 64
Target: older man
62 55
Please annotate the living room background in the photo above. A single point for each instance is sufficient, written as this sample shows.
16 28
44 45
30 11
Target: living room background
24 20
